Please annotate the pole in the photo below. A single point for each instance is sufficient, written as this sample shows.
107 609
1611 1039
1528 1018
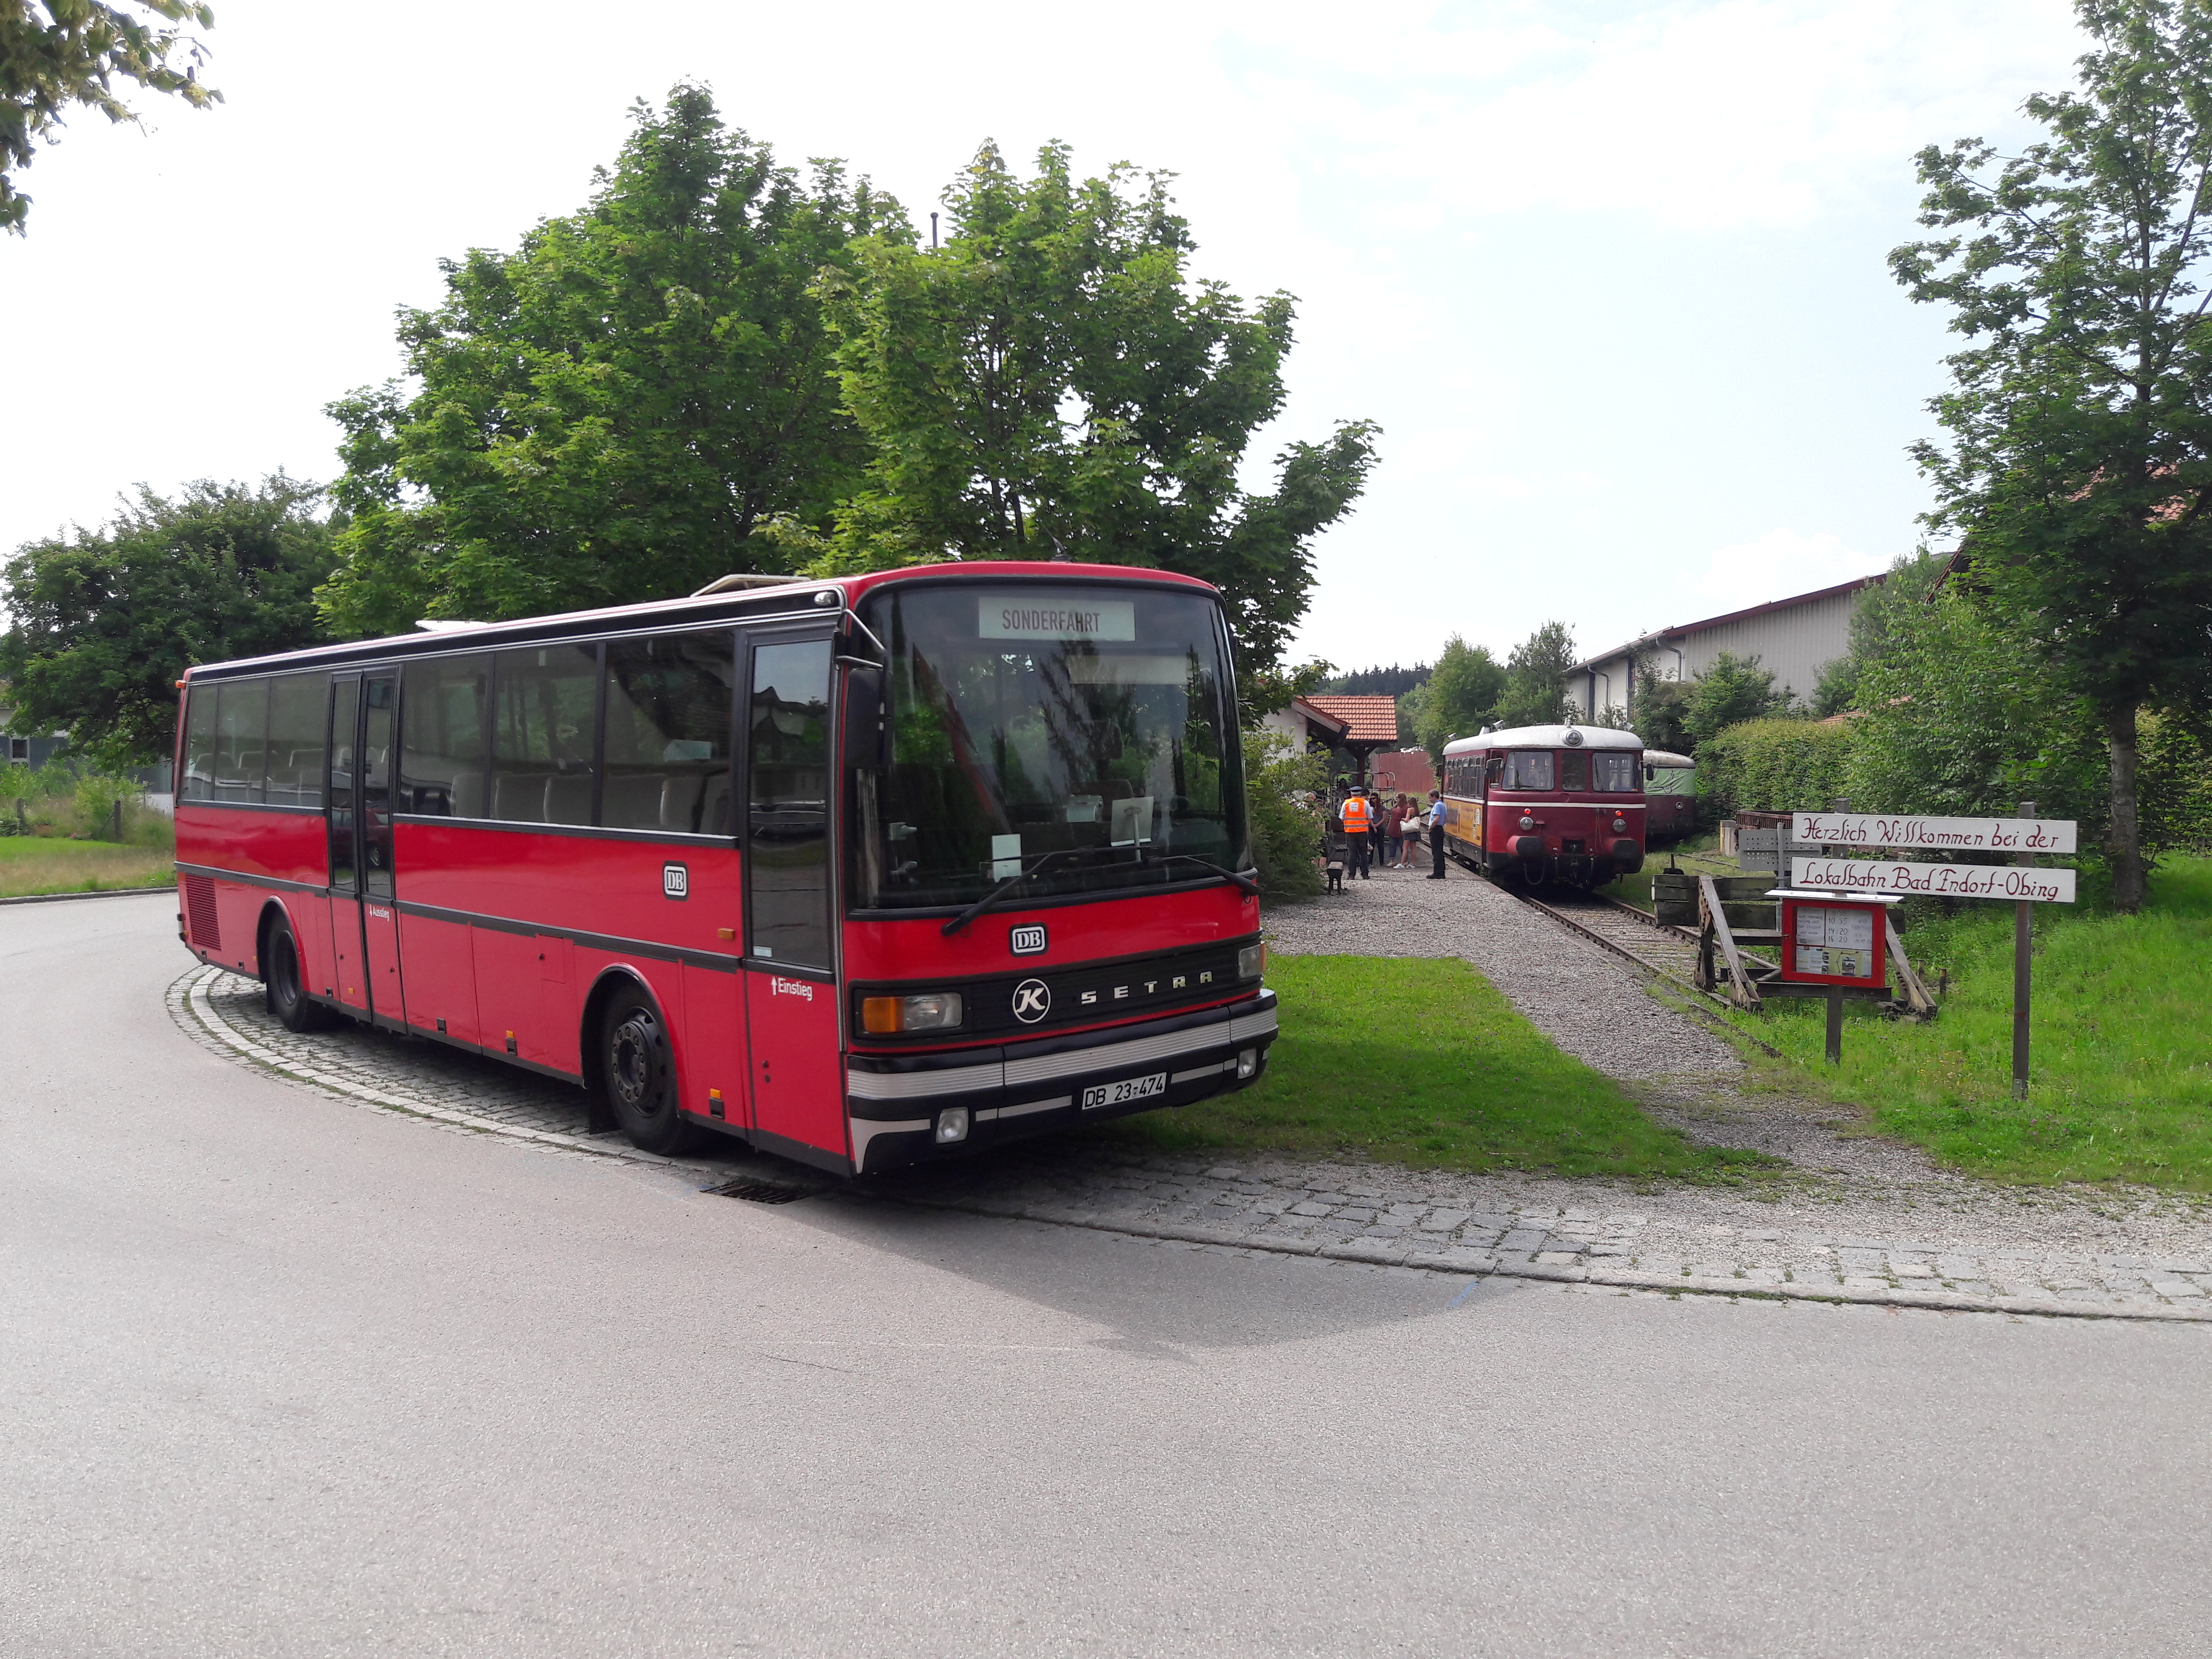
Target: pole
1835 1025
2023 958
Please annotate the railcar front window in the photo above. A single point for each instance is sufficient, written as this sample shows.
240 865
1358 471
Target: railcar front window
1614 772
1575 769
1527 769
1097 723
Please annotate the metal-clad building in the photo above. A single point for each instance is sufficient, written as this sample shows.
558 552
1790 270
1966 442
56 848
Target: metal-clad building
1793 638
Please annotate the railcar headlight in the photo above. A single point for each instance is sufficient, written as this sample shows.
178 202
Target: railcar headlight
1252 962
933 1010
1527 823
1619 825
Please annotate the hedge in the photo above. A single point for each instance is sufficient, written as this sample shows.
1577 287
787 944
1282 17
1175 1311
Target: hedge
1774 766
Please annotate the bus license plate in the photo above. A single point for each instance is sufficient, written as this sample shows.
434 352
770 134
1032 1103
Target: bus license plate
1120 1094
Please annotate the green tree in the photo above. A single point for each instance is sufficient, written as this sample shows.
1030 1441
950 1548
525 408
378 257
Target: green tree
1052 381
2079 464
1459 698
1725 692
1535 691
1881 610
106 622
635 401
1661 705
55 53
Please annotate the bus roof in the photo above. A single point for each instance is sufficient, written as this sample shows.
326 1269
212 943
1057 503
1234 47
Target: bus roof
800 596
1545 737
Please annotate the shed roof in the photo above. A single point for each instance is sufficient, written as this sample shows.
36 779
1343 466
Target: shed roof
1367 719
1665 634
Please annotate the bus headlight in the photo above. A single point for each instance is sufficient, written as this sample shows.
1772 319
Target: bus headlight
933 1010
951 1125
1252 962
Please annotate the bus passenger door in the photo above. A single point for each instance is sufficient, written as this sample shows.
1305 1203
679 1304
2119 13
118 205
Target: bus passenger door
379 919
364 930
791 989
344 831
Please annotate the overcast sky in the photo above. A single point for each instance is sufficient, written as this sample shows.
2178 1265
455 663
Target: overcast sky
1611 277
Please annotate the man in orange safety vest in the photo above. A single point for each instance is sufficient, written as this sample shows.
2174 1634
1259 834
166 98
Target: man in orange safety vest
1357 816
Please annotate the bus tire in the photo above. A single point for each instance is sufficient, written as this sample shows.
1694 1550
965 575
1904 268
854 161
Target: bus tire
282 989
639 1072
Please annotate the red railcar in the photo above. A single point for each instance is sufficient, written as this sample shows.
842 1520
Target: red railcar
862 871
1545 803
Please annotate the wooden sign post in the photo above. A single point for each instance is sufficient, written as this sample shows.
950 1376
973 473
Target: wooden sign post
2024 837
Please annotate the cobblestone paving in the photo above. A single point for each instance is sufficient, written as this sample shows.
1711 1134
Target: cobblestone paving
1954 1245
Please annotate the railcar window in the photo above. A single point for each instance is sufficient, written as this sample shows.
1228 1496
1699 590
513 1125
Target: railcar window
1527 769
441 746
1574 769
241 736
1615 773
542 739
670 705
199 743
296 714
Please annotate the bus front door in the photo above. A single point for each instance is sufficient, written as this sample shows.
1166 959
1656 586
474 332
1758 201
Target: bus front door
791 991
364 923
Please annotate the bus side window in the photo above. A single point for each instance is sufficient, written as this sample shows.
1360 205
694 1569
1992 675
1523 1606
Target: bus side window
542 737
241 737
667 750
441 736
295 739
199 742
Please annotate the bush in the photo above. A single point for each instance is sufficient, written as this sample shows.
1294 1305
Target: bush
101 805
1775 766
1280 792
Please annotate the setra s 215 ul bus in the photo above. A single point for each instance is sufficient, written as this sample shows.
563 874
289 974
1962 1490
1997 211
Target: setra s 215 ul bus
1546 803
862 871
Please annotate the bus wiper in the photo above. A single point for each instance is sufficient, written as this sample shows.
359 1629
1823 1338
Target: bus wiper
1012 881
1243 884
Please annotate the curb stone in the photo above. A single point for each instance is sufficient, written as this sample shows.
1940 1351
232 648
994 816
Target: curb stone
96 893
194 1011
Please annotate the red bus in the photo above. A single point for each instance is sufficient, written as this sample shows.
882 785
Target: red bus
862 871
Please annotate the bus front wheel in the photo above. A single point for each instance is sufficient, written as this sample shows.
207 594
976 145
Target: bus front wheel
286 995
641 1074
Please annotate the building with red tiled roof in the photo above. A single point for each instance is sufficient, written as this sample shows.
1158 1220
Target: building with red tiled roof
1369 721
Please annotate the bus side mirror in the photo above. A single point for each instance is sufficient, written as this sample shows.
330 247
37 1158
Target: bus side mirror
865 730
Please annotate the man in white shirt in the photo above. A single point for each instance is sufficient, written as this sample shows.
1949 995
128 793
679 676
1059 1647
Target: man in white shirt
1436 834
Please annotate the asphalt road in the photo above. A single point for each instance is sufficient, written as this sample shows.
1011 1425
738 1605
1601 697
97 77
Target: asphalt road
280 1375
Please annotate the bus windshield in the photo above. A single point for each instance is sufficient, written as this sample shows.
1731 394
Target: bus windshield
1094 722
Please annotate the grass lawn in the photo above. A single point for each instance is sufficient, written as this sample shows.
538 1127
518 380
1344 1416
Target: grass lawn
1422 1063
2121 1084
46 864
1699 855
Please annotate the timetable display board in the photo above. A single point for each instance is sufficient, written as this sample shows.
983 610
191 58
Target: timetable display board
1834 942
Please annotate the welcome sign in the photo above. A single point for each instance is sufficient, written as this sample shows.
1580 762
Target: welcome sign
2023 884
1933 835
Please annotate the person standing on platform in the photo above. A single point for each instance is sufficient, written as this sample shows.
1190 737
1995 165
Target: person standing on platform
1437 835
1357 816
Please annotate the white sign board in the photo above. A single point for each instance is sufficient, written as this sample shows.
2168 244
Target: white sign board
2017 882
1933 835
1027 616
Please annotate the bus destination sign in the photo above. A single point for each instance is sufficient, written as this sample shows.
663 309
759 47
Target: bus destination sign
2022 883
1041 616
1933 835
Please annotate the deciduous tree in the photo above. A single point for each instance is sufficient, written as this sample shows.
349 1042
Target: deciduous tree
1051 381
1535 691
54 53
106 621
2079 461
1461 696
621 407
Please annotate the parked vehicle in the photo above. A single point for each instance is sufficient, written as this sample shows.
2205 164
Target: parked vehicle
1670 795
1546 803
863 872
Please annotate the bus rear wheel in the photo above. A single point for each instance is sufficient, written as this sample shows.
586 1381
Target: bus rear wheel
285 993
640 1073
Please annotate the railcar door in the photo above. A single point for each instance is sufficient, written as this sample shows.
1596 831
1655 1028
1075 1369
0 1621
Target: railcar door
790 982
364 928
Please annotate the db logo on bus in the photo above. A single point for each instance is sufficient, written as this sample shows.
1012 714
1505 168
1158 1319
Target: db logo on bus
676 881
1028 941
1032 1001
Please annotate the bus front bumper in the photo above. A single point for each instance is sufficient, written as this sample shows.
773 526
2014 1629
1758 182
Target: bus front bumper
896 1105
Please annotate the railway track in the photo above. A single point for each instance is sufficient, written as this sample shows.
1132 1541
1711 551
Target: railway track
1656 946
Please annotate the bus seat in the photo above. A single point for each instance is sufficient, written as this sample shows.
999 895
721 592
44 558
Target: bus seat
468 795
632 801
307 762
519 797
714 819
568 797
679 801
